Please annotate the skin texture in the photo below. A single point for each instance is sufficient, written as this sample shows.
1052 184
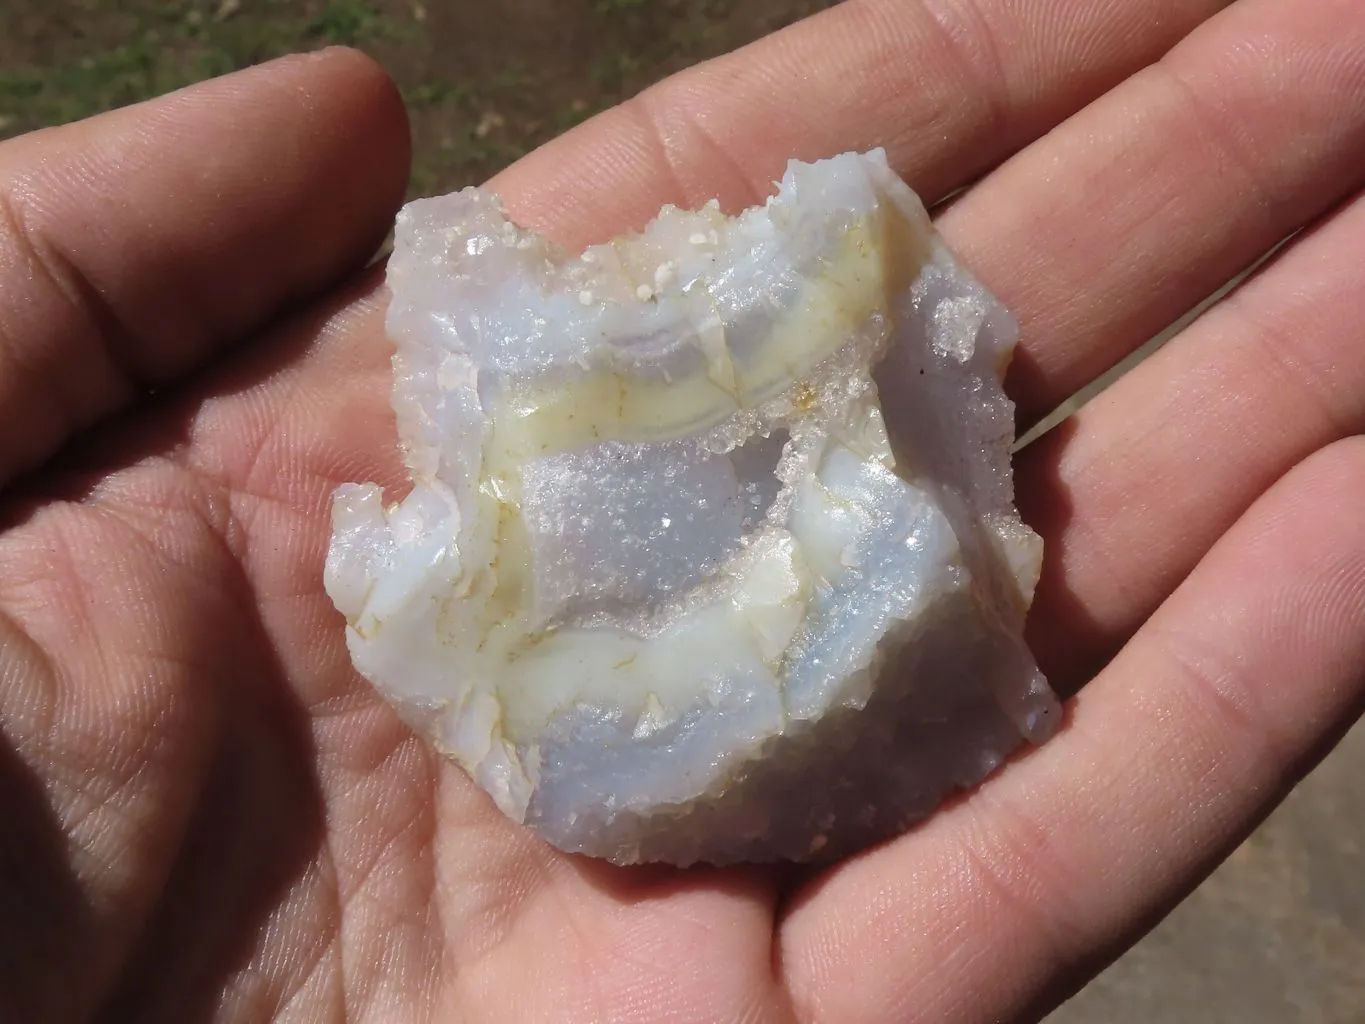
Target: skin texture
207 814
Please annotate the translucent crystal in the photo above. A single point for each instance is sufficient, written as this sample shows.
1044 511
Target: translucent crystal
711 551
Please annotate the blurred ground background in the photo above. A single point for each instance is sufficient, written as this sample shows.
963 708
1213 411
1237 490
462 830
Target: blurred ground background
1276 935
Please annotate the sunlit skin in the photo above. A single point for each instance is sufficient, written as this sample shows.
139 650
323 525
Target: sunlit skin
207 813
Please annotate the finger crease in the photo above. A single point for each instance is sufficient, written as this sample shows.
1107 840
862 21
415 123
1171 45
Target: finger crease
1221 133
1213 679
116 341
1006 871
982 68
1315 388
651 110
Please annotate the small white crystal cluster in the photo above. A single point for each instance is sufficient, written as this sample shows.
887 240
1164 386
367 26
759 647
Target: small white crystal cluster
711 551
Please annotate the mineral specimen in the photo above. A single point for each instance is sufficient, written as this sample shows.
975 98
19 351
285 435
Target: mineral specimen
710 553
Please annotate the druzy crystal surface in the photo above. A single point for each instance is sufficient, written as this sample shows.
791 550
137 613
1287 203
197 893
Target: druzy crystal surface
710 552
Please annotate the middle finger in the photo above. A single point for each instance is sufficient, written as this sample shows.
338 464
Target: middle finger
1110 228
948 87
1145 479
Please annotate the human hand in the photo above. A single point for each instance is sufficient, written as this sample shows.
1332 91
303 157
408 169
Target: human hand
207 812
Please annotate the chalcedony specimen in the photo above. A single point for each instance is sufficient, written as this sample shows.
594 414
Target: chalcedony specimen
711 552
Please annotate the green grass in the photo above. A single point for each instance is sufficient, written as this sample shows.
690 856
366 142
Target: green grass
610 7
347 23
169 45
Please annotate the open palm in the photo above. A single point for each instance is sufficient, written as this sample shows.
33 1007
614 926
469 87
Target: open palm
206 812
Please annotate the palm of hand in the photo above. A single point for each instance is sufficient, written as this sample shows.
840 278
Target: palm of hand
207 811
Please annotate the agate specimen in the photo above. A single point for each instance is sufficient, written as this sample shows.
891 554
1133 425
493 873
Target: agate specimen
710 552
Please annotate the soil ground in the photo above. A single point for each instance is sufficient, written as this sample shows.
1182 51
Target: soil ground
1276 935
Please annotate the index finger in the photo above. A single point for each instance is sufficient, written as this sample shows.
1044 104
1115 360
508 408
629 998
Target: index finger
138 243
949 87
